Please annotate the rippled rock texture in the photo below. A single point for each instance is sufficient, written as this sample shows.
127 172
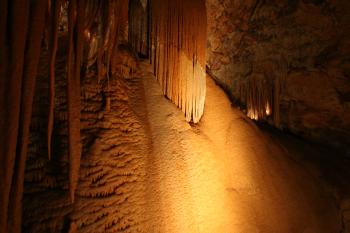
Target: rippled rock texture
109 193
298 49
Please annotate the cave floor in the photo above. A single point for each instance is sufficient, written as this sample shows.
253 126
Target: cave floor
226 174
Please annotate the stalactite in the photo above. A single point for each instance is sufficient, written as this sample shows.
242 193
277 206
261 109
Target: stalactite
114 16
92 10
73 145
22 29
13 46
258 94
110 16
74 57
178 48
35 33
56 9
138 33
5 178
262 98
20 51
111 32
276 102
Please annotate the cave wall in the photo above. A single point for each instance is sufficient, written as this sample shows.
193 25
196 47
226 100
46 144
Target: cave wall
42 41
298 49
108 175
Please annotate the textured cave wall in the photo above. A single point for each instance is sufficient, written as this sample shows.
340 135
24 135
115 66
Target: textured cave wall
293 54
108 168
76 77
106 200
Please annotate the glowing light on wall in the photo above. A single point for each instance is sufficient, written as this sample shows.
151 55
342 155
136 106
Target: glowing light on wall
262 98
268 109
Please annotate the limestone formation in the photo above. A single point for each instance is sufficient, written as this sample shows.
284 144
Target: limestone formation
177 49
257 49
92 138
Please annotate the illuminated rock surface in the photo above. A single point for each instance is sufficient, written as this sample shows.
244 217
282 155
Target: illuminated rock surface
147 170
226 175
91 139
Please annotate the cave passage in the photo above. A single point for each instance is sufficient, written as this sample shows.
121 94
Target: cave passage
175 116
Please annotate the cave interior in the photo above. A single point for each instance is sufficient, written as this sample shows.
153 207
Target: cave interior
175 116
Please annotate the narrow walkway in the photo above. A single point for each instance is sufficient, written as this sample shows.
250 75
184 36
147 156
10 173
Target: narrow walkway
225 174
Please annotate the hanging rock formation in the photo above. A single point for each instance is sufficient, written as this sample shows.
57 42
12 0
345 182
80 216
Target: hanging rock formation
176 41
178 52
29 32
20 51
138 27
70 38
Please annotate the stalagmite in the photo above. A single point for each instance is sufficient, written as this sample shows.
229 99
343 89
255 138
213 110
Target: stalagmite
178 50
